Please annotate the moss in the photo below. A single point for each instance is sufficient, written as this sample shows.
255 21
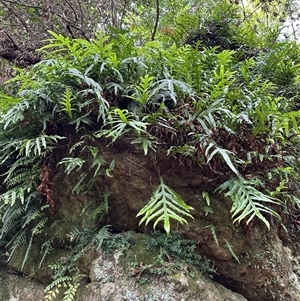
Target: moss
138 252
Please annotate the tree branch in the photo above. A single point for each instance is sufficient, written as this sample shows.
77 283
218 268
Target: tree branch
15 13
156 20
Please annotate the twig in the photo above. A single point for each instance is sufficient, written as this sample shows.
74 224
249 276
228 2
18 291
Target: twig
10 38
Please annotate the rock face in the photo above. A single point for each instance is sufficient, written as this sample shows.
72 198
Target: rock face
111 279
17 288
252 262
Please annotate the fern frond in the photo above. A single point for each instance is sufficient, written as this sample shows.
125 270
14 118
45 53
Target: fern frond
18 240
46 249
67 102
7 100
229 247
247 201
39 227
11 217
76 235
104 233
224 153
29 244
53 289
72 164
37 146
120 122
69 294
13 195
94 89
165 204
24 163
95 211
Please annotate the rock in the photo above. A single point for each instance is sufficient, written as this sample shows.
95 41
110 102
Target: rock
18 288
250 260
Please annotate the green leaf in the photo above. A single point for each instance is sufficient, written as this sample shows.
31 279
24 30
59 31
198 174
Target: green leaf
110 168
224 154
165 204
67 102
247 201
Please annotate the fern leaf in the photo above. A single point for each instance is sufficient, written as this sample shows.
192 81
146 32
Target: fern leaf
224 154
72 163
247 201
67 102
165 204
104 233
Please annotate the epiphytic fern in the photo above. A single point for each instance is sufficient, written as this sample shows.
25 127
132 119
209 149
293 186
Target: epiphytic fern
247 201
165 204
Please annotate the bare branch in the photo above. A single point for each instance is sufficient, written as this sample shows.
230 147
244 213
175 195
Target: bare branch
156 20
15 13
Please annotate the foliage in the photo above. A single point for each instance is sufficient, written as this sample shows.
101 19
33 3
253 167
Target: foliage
119 241
70 284
230 110
165 204
247 200
66 278
175 249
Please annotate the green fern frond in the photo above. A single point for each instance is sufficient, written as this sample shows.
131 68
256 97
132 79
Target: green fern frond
13 195
72 164
20 168
46 249
230 248
18 240
67 102
7 100
97 163
165 204
247 201
224 153
69 294
37 146
40 226
95 211
29 244
119 122
75 235
53 289
104 233
11 217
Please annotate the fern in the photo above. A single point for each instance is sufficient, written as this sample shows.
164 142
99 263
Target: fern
229 247
38 146
121 122
28 245
7 101
69 294
247 201
53 289
214 233
224 153
18 240
94 88
67 102
72 164
18 215
46 249
103 234
94 211
165 204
